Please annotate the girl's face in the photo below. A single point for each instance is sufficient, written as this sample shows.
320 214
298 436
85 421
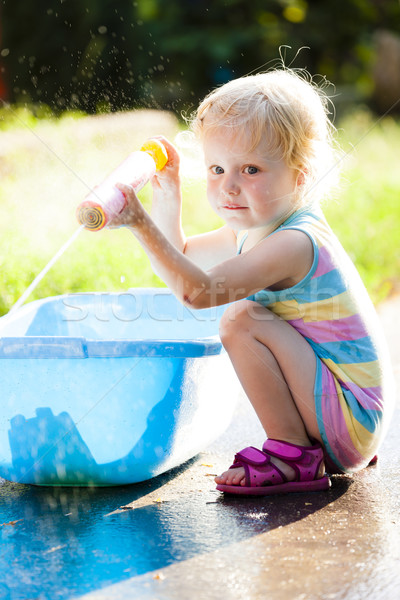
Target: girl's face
247 190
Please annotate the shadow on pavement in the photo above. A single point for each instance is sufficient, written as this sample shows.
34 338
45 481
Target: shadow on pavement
70 541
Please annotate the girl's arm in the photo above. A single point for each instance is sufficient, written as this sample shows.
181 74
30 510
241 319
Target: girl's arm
166 210
282 259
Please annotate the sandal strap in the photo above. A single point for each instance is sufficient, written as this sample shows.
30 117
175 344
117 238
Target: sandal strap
283 450
259 471
252 456
304 460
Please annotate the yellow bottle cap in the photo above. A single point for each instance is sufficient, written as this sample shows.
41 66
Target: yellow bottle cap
157 151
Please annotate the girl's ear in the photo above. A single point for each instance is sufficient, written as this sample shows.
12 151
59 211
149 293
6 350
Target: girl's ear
301 178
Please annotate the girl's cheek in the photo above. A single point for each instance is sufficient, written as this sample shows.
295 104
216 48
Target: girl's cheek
210 189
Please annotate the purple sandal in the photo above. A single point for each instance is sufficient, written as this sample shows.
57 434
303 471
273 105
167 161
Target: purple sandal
264 478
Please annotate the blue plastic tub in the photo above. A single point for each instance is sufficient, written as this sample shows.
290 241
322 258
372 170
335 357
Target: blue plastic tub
109 389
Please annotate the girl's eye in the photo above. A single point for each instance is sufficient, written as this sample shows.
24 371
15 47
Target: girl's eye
251 170
217 170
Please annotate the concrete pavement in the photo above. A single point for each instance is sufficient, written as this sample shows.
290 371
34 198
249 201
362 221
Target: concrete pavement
340 544
177 538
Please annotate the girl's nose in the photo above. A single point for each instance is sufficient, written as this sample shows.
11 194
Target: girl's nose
231 187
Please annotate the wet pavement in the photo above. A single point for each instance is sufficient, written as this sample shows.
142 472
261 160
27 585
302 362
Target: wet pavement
176 538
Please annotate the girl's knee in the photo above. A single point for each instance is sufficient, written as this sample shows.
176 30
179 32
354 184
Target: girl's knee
237 318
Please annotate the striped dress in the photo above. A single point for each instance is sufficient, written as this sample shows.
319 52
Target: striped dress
330 307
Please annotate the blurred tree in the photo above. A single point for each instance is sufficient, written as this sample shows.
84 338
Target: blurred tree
386 71
119 54
66 53
3 52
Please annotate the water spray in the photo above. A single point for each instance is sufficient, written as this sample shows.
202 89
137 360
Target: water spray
106 200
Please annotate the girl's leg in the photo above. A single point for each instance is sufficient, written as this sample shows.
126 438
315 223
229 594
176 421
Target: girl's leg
276 367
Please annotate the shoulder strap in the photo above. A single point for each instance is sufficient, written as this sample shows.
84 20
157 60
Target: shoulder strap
240 240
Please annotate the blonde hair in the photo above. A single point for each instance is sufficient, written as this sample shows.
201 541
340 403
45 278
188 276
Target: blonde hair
285 110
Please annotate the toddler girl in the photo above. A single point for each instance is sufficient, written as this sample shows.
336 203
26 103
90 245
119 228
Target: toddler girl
299 328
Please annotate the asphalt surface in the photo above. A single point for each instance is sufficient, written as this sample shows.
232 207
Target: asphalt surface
176 538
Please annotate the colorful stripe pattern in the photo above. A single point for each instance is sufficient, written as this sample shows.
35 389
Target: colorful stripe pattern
331 309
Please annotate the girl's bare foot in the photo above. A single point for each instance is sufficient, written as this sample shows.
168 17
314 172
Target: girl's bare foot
237 476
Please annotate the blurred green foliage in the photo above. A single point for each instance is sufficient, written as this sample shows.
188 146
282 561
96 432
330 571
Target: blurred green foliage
44 176
119 54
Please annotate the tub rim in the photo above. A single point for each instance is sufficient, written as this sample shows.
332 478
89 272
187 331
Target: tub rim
80 347
58 347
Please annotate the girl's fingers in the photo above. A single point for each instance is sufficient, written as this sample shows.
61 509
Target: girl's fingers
128 214
127 190
173 154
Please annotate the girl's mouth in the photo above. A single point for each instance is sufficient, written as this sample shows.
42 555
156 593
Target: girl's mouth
233 207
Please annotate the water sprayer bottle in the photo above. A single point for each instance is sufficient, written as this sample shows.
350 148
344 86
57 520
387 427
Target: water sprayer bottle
106 200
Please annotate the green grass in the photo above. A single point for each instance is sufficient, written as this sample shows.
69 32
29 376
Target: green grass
366 214
47 164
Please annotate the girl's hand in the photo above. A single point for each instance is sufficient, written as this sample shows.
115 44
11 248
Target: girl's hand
167 198
166 183
132 214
